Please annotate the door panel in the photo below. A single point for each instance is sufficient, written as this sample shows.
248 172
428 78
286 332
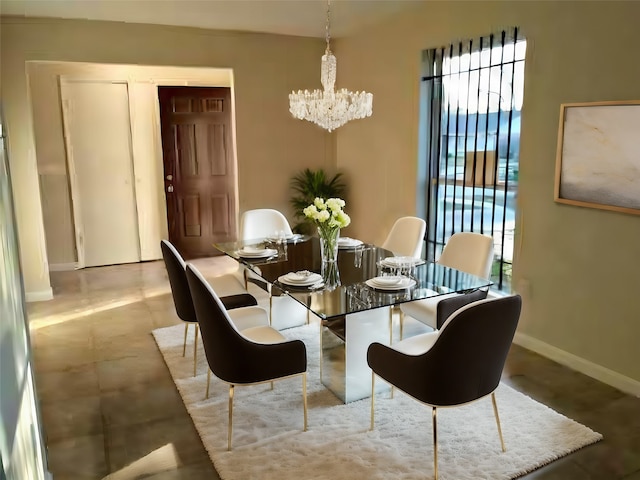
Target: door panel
200 169
98 132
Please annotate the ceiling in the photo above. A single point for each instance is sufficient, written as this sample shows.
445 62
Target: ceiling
288 17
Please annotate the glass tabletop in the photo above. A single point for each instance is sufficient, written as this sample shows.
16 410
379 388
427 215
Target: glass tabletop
272 259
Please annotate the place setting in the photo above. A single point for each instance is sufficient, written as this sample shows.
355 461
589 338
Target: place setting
347 242
253 252
281 237
400 262
390 282
302 279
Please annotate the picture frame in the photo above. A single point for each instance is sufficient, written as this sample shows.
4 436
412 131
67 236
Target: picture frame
598 156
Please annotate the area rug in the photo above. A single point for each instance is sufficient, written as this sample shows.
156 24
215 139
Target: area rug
268 441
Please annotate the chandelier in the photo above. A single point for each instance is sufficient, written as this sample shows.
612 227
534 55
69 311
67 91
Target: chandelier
329 108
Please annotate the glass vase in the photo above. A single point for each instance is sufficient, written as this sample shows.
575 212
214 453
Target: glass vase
329 255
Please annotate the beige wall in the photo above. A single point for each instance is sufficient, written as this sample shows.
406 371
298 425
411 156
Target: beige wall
581 265
271 145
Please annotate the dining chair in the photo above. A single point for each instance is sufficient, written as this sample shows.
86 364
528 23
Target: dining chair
263 222
406 237
252 356
458 364
183 303
259 224
465 251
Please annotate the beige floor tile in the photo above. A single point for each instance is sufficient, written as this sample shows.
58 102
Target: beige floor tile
123 346
61 357
125 372
74 382
72 417
176 437
78 458
124 407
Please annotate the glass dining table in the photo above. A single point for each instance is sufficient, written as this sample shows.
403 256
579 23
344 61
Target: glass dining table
355 313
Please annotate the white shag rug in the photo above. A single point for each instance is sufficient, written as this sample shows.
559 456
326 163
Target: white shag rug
268 441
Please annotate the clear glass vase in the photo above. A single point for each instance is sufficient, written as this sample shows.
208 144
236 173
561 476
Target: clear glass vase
329 255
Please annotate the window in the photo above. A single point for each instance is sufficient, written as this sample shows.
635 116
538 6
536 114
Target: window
471 101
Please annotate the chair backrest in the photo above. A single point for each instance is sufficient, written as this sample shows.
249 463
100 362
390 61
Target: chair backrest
448 306
226 349
406 237
263 222
466 361
177 279
469 252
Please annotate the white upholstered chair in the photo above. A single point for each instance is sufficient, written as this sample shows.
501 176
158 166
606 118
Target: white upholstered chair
262 223
465 251
406 237
284 312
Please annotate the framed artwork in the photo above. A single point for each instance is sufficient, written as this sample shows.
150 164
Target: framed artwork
598 156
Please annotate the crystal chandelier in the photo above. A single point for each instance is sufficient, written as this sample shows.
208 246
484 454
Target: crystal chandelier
328 108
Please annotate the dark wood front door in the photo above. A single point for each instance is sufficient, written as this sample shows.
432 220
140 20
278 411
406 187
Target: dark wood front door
199 167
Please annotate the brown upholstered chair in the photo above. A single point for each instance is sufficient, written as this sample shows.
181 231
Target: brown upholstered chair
460 363
175 266
448 306
254 355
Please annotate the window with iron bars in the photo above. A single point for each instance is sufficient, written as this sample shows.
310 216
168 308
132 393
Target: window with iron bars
470 110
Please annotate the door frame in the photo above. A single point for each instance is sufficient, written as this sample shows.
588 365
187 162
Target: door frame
223 79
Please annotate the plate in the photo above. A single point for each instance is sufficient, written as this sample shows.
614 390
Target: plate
252 252
289 238
395 262
390 283
346 242
300 279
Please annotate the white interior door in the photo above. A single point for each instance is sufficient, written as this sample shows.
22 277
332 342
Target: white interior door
98 139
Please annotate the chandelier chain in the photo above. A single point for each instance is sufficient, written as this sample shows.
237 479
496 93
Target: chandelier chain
328 26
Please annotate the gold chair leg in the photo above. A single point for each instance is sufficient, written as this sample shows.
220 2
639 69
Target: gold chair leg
270 309
390 324
373 391
434 420
495 412
304 399
270 304
401 315
208 381
321 355
271 385
195 351
230 430
184 347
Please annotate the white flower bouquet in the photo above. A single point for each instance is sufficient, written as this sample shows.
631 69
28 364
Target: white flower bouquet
329 217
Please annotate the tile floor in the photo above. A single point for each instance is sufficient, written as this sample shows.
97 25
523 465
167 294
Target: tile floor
110 408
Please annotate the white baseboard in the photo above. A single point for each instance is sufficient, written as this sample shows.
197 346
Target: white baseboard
603 374
62 267
39 296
